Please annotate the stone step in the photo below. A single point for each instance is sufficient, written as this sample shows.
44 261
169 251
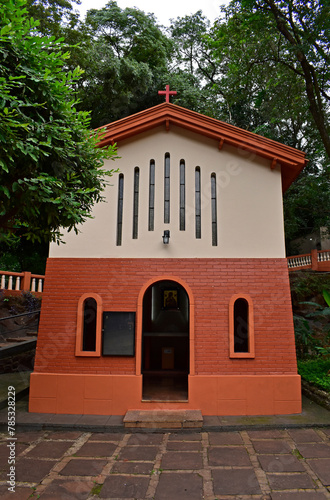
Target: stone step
32 334
163 419
17 339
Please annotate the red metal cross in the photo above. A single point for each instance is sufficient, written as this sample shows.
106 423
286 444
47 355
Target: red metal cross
167 93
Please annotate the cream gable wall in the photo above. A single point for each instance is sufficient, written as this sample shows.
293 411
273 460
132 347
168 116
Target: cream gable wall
249 203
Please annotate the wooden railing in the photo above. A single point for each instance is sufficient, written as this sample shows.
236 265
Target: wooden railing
317 260
21 282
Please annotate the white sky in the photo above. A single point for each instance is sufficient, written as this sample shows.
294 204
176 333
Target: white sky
163 10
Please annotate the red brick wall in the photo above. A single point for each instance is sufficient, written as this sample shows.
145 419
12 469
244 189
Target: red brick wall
212 281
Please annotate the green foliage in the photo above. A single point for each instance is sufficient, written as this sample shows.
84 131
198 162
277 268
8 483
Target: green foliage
51 172
124 62
306 344
305 285
19 303
326 296
316 371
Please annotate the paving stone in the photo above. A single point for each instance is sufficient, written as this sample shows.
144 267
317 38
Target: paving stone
280 463
290 481
106 436
185 437
20 493
235 482
211 421
301 495
33 470
28 437
326 431
271 446
5 450
319 450
182 460
180 486
223 438
116 486
322 468
138 453
271 434
66 435
115 421
81 467
184 446
96 450
305 436
229 456
66 489
133 467
145 439
47 449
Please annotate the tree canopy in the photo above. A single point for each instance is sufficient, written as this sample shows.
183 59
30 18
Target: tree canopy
51 172
262 65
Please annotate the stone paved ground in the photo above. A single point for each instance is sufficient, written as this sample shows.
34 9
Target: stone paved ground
277 464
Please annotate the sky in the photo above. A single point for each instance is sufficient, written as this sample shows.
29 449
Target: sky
163 10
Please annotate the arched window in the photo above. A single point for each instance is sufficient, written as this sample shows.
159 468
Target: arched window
241 327
89 322
89 327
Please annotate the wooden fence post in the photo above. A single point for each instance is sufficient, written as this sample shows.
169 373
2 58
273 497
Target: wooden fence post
26 282
314 260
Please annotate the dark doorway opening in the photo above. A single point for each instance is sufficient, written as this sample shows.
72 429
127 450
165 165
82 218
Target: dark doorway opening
165 342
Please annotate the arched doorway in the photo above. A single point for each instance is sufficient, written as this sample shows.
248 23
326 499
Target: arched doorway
165 342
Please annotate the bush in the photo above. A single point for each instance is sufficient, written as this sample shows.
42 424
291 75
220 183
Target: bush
19 304
316 371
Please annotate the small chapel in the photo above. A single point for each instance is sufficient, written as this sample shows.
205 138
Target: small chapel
175 295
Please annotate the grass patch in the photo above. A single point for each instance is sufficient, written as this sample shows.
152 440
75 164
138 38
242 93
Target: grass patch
297 454
96 489
316 371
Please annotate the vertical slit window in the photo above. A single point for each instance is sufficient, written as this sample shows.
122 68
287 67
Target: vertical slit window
151 224
120 209
167 189
198 202
136 202
214 209
182 196
89 328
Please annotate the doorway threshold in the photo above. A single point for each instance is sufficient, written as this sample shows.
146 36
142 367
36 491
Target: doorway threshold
164 401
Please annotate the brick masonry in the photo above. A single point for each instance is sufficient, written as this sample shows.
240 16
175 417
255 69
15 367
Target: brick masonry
212 282
218 385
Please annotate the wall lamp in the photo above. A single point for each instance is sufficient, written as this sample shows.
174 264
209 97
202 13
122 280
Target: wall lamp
166 237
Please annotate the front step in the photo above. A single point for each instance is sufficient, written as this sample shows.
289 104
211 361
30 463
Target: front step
163 419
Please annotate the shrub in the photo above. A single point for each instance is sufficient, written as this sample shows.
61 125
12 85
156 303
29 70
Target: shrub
316 371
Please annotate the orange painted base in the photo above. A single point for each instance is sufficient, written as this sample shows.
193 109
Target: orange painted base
212 394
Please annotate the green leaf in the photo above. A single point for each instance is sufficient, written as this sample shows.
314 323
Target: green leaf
326 296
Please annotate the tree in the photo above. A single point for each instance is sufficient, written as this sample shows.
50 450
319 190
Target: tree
305 27
50 170
260 84
54 16
124 64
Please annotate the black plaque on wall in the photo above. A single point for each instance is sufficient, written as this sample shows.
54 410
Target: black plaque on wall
118 334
